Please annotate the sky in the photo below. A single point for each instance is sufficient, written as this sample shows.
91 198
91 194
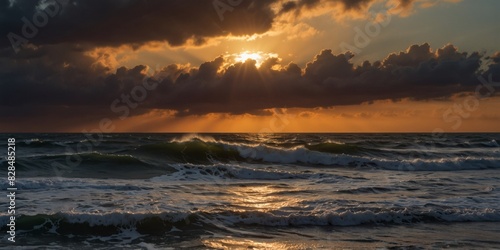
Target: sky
263 66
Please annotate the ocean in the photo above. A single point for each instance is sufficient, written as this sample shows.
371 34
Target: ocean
254 191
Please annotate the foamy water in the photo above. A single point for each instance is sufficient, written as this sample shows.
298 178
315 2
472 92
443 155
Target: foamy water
280 191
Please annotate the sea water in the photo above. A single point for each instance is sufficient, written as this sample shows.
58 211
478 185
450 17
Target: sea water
255 191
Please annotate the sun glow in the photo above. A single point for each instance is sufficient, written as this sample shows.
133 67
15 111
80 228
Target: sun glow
258 56
244 56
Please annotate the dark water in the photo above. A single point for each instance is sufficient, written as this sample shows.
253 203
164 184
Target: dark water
250 191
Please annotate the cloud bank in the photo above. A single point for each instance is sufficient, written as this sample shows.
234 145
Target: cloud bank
177 22
62 76
113 23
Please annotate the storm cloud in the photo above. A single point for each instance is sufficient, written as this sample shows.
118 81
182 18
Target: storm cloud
328 80
63 77
402 7
113 23
53 76
177 22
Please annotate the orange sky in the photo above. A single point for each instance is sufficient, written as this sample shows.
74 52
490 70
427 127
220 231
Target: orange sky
275 66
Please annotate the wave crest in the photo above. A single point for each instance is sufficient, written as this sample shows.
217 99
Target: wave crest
161 223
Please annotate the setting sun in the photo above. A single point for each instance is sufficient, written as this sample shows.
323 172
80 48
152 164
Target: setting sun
231 124
243 57
258 56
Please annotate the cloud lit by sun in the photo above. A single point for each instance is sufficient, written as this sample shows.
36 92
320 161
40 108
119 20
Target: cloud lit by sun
258 56
214 65
243 57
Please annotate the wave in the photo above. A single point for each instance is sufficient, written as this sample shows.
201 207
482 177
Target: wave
336 148
85 159
96 157
70 183
366 216
217 172
203 149
37 143
88 165
191 151
99 224
161 223
302 155
193 137
494 143
444 164
206 150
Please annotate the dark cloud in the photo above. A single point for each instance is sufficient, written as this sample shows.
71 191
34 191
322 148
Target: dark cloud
60 75
493 72
495 57
131 22
307 4
113 23
53 80
348 5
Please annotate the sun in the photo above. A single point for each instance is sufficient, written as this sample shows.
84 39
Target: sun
244 56
258 56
